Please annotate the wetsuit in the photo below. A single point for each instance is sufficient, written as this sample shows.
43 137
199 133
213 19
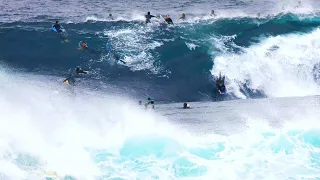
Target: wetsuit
150 101
71 79
186 106
148 17
169 21
220 84
83 46
57 27
222 89
110 17
79 71
183 16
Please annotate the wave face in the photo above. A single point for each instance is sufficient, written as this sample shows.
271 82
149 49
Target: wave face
177 63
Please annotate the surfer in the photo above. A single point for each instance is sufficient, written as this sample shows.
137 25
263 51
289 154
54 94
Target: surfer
79 70
186 105
212 13
168 19
220 85
150 101
71 79
57 26
110 17
183 16
83 46
148 17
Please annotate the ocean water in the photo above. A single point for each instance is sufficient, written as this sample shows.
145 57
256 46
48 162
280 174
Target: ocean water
266 127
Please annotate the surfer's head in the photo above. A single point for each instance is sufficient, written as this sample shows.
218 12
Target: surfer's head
84 45
148 13
57 22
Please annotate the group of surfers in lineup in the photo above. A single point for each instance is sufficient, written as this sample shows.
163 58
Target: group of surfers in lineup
70 80
167 18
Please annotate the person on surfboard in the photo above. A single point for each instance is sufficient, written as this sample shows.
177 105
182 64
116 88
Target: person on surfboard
168 19
148 17
57 26
183 16
71 79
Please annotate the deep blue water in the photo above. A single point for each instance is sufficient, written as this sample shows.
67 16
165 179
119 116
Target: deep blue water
159 62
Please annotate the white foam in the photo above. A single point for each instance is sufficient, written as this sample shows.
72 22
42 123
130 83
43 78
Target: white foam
62 130
283 71
58 128
135 45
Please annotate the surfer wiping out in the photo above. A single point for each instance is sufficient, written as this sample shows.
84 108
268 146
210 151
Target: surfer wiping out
220 85
71 79
148 17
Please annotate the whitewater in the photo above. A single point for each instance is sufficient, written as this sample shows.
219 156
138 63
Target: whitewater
91 135
266 127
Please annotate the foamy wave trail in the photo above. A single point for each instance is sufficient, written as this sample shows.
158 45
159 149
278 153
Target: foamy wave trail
49 130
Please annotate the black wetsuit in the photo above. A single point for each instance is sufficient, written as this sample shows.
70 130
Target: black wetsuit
169 21
150 102
57 27
222 88
186 106
148 17
79 71
74 74
219 81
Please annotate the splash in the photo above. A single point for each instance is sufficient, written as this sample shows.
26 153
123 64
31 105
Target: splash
279 66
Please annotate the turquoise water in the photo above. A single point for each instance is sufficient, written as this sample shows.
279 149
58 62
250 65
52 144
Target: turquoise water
109 137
